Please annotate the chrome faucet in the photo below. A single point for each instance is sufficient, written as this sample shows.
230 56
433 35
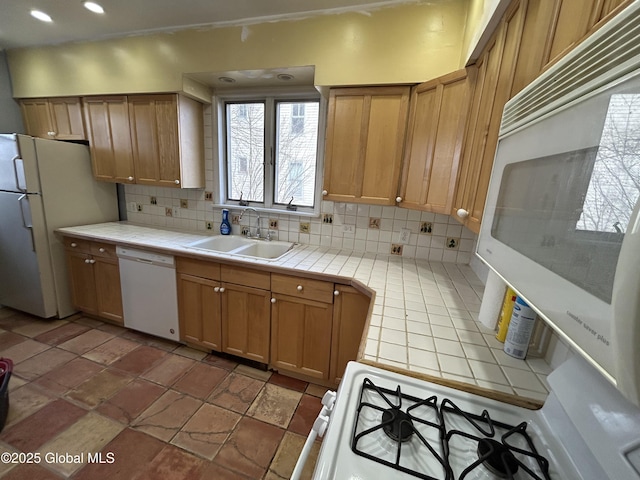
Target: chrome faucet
257 235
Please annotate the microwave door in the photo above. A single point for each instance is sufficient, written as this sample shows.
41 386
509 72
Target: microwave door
626 312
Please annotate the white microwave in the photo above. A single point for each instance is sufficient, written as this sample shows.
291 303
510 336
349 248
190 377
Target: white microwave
561 223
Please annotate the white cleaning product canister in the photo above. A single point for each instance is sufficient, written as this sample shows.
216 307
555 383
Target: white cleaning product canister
521 326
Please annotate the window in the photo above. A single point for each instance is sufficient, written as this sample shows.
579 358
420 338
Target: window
270 151
297 119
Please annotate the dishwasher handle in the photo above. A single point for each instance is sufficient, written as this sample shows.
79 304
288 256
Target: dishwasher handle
145 256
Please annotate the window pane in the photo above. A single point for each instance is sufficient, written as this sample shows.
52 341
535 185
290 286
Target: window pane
296 143
245 151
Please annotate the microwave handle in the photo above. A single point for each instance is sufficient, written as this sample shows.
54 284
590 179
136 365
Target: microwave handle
626 312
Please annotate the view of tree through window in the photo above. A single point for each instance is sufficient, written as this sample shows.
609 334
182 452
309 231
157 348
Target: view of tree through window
615 182
294 139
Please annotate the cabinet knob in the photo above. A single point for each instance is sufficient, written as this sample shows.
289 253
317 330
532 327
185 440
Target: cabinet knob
86 260
92 261
398 199
177 182
273 300
462 213
216 289
74 244
336 293
51 134
324 193
221 289
130 179
101 250
299 288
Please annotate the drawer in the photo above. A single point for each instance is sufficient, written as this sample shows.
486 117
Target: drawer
103 250
77 244
302 287
245 276
198 268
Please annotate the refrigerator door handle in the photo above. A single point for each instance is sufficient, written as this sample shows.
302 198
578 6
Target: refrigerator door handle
24 220
15 173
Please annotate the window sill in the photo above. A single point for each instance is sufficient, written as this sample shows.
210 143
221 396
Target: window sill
273 211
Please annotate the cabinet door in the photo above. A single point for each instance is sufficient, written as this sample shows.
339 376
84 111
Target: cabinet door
365 138
83 286
437 119
154 135
108 292
199 310
246 322
301 336
66 115
350 309
37 119
107 122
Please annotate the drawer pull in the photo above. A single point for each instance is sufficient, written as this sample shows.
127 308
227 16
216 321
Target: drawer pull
86 260
221 289
101 250
273 300
74 244
299 288
216 289
336 293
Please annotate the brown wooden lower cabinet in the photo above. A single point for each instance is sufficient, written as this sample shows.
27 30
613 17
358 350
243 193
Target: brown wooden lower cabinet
199 311
95 279
301 335
350 311
246 322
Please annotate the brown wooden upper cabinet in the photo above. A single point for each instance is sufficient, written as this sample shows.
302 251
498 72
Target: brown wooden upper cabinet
108 130
146 139
364 142
53 118
437 117
167 139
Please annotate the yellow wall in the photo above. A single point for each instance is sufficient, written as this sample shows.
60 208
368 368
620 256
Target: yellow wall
406 44
479 14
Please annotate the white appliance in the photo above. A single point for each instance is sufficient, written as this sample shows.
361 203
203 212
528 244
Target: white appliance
562 226
561 221
44 185
149 292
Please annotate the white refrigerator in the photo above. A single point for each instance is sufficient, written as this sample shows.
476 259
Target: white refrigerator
44 185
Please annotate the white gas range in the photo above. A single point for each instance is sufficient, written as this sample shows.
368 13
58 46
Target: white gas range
387 425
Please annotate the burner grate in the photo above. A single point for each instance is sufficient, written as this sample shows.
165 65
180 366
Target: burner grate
501 449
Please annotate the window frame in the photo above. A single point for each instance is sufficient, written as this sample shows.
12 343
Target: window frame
270 97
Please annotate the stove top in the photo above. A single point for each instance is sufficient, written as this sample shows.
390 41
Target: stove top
432 438
387 425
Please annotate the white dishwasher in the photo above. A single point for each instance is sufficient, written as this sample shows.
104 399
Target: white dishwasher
149 292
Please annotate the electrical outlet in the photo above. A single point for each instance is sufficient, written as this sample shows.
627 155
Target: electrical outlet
208 195
396 249
168 212
327 218
453 243
374 222
348 228
153 201
209 225
184 203
305 227
426 227
138 207
235 219
405 234
132 207
273 224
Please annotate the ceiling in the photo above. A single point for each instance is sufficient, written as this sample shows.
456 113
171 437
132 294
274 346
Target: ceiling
72 22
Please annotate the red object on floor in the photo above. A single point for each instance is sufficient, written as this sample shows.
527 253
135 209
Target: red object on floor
6 367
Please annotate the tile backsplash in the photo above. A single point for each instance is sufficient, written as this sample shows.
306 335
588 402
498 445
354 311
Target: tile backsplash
357 227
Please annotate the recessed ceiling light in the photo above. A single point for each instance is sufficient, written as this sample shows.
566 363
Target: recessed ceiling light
43 17
285 77
227 79
93 6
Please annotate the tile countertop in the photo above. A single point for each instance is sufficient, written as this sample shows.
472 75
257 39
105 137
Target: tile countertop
423 320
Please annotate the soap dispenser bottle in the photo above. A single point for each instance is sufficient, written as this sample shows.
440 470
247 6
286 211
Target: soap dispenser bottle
225 226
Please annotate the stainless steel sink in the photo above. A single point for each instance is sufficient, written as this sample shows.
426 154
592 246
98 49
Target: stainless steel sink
243 246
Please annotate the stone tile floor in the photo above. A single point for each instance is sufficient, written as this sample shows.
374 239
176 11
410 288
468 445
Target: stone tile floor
151 407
